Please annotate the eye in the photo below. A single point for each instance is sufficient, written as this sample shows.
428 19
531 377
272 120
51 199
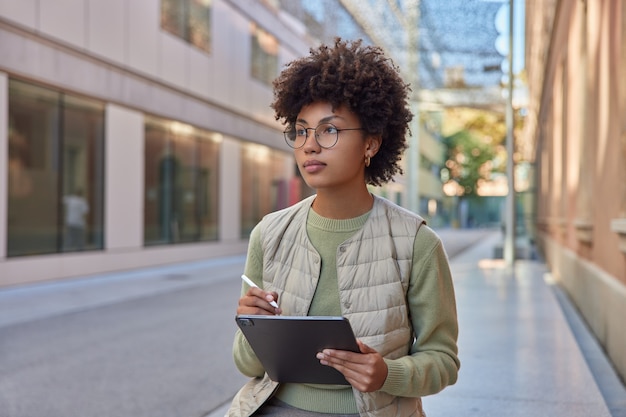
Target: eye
328 130
300 131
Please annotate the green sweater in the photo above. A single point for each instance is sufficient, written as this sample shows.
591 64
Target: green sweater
429 265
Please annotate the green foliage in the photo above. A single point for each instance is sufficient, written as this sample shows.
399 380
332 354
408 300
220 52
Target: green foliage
468 160
474 148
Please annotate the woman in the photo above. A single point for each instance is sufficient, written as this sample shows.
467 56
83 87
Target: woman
346 252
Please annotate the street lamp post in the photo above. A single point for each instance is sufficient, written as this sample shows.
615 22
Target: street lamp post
509 238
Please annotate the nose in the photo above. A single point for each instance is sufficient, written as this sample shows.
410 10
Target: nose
311 144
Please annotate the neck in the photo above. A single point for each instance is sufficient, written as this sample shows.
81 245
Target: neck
342 206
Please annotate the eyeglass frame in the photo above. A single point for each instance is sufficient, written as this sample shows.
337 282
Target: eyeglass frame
315 135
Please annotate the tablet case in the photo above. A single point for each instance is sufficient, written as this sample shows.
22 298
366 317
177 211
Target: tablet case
287 345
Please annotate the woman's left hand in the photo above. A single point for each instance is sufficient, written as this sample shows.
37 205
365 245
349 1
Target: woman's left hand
365 371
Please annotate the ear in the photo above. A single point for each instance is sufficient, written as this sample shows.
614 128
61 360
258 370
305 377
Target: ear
372 145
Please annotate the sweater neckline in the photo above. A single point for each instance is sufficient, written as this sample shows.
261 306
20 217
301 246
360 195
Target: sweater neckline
336 225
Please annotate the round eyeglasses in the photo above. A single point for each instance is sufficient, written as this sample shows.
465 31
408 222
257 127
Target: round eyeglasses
326 135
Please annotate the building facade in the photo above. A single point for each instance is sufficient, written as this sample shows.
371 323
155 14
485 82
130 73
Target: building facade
136 133
576 135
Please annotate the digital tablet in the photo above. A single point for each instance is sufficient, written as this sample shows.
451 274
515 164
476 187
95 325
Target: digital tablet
287 345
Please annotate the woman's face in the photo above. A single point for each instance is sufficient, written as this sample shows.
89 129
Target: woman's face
343 165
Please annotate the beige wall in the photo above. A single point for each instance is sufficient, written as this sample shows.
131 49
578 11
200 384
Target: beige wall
126 34
575 56
124 182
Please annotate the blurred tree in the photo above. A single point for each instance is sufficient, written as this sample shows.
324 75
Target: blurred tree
474 148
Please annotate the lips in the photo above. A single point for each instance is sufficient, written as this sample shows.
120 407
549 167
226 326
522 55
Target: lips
312 166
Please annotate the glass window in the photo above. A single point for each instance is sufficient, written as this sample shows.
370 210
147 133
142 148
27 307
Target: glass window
55 171
181 166
189 20
267 184
264 55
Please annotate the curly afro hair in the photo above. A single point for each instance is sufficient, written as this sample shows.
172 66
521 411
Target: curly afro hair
360 77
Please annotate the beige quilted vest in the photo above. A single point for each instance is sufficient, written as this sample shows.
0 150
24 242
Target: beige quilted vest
372 286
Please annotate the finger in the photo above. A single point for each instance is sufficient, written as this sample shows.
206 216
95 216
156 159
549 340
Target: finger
365 371
343 357
274 296
266 310
356 375
269 297
254 302
340 360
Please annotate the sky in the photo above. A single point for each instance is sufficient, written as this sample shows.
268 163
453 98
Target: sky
472 34
502 25
467 34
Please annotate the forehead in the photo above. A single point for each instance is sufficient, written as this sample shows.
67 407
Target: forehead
323 112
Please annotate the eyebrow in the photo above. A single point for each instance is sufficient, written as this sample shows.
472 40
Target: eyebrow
326 119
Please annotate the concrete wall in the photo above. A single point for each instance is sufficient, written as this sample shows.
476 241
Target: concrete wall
126 34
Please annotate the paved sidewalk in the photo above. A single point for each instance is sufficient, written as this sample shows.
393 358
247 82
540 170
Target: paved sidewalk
519 355
40 300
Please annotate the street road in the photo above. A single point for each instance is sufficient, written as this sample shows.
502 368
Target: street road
165 353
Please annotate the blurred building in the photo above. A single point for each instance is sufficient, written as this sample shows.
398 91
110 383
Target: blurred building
576 135
138 132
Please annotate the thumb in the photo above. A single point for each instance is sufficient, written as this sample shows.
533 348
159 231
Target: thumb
364 348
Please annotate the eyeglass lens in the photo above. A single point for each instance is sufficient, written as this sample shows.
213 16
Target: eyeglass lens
325 135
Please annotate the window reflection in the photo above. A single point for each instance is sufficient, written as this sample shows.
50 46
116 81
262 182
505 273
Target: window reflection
181 165
264 55
56 144
189 20
266 184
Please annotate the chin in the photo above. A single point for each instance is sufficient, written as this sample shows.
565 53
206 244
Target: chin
312 184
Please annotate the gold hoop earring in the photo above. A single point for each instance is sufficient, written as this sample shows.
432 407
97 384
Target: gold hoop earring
367 160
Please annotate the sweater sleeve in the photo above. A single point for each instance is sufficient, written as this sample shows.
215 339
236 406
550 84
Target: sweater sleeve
243 355
432 363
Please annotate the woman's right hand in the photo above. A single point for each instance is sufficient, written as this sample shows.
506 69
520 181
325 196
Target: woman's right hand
257 302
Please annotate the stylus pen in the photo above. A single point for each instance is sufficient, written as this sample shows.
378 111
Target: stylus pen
252 284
